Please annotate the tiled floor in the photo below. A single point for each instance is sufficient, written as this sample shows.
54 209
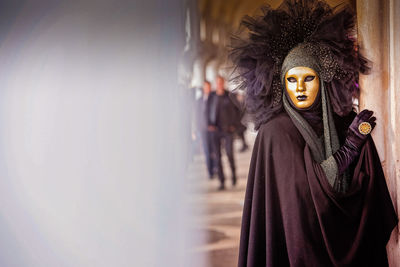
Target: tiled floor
216 214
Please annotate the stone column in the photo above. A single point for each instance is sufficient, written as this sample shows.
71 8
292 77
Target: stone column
378 30
393 150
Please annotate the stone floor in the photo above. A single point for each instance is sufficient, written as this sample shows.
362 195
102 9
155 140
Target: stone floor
217 214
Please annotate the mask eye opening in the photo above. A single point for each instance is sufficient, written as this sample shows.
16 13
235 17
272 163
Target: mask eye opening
309 78
291 79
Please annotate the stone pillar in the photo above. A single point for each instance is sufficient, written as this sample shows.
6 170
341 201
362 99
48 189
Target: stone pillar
393 150
378 30
372 33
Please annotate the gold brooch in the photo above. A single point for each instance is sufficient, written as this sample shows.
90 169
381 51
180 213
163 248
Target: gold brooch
364 128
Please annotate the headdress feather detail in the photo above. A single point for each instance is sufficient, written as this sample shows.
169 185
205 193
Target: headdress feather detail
330 33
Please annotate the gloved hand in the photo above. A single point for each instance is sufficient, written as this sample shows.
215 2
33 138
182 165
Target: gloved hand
353 135
354 141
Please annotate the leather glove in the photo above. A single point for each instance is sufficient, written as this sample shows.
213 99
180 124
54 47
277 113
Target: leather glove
354 141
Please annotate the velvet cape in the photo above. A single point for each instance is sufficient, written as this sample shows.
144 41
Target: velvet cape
293 217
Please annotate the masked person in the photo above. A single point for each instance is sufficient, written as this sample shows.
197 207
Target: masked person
222 118
316 193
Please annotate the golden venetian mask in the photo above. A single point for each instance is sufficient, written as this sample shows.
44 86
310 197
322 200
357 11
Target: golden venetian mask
302 85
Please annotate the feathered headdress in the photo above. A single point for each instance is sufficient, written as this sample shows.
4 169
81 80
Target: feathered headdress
328 33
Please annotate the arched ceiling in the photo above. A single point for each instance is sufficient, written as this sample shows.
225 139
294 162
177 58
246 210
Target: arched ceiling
230 12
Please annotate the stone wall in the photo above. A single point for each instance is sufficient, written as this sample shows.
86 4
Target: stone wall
379 30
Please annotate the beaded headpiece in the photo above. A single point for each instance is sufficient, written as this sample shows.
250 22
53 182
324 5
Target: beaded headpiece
273 42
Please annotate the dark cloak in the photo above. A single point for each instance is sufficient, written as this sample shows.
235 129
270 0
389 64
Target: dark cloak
293 217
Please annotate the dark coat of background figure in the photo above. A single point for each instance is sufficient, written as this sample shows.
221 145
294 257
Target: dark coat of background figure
293 217
201 125
240 127
222 117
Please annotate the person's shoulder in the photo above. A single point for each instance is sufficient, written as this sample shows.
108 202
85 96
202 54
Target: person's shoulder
278 124
281 132
211 95
280 127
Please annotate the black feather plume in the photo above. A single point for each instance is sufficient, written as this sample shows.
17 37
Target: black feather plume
258 58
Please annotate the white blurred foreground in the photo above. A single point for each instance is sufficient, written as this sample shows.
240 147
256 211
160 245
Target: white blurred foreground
91 170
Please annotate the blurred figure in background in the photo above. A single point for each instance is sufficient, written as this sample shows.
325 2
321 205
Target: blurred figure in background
202 130
241 128
222 119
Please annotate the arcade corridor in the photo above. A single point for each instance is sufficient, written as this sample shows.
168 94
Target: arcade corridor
217 216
